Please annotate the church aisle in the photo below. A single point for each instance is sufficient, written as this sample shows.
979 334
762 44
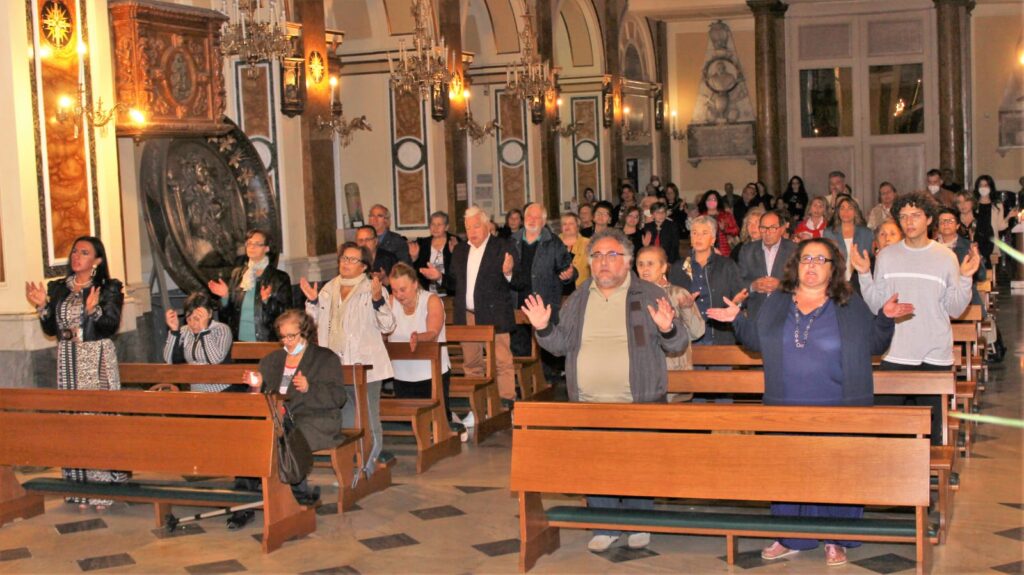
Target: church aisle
460 518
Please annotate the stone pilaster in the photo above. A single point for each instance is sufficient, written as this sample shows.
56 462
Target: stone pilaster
613 13
664 137
550 190
456 148
950 15
770 76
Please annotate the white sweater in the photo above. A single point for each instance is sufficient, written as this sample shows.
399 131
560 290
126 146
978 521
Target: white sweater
929 278
363 325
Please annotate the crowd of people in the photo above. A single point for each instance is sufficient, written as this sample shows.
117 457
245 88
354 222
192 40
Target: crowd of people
614 299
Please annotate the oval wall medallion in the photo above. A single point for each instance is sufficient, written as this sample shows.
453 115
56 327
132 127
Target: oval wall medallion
178 71
586 151
512 152
57 25
410 154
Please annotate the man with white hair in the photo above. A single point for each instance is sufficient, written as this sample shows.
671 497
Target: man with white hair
481 277
380 219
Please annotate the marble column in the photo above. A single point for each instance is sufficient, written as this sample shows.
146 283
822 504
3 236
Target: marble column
770 75
550 192
664 149
456 146
950 15
613 13
318 178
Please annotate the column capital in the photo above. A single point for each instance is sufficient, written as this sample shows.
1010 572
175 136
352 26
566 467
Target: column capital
768 7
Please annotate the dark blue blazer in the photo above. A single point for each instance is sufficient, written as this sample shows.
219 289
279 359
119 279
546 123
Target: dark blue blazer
861 334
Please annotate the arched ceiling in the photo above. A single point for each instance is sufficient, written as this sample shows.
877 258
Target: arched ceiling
637 49
576 29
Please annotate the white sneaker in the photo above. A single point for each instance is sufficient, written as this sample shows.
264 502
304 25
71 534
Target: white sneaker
601 543
638 540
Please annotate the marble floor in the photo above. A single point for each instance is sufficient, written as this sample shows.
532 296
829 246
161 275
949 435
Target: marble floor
459 517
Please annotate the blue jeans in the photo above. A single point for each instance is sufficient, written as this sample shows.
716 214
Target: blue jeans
617 503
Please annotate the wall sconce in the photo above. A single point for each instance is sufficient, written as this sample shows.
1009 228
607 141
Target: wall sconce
607 104
71 109
293 86
340 126
659 109
567 130
676 134
471 128
440 105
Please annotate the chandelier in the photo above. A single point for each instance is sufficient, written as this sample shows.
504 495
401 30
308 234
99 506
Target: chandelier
530 79
424 67
256 30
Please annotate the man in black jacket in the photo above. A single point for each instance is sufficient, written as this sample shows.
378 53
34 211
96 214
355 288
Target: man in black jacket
481 277
380 219
381 260
762 262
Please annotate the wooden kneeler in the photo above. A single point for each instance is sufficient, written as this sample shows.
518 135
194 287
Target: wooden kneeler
434 438
482 392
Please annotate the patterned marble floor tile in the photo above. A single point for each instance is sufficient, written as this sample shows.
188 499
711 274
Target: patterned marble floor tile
497 548
1015 568
1015 533
885 564
752 559
439 512
16 553
228 566
79 526
389 542
105 562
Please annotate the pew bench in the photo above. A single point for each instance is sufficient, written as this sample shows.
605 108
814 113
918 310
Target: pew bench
533 386
434 437
638 450
170 434
481 391
357 437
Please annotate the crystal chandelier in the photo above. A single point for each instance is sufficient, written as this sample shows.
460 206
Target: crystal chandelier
256 30
530 79
424 67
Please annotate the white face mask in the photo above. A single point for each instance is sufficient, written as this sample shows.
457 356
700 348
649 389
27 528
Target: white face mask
933 189
984 191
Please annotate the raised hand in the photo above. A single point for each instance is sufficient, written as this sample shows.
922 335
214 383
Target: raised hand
92 300
376 287
508 265
686 301
431 273
860 261
727 313
300 382
647 239
741 297
265 292
218 287
971 262
662 315
171 317
310 291
894 309
414 250
35 293
535 311
413 337
566 274
202 315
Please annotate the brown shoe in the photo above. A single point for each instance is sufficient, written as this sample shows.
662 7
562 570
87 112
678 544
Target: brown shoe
777 551
835 555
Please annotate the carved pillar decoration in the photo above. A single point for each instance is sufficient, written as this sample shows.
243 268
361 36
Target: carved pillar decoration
549 194
769 74
968 95
456 146
664 137
950 14
318 178
586 144
513 153
409 159
613 13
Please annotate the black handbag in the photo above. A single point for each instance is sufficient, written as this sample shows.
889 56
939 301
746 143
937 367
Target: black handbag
294 457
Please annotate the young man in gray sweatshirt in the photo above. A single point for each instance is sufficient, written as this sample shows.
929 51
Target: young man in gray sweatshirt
927 275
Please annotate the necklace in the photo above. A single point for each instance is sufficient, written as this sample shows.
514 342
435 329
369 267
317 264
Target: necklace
810 321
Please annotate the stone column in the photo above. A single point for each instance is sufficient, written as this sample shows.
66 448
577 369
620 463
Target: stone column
318 178
664 149
614 10
950 15
550 192
456 148
770 130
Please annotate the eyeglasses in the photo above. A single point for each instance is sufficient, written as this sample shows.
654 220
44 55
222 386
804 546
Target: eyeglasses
769 228
254 244
816 260
349 260
290 336
609 257
946 221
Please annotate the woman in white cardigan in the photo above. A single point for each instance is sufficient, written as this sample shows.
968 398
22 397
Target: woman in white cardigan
351 315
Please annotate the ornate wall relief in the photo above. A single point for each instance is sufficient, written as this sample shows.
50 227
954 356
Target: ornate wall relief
409 158
513 160
65 151
586 146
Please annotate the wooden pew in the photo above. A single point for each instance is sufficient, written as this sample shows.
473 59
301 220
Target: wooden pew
943 384
725 355
357 437
252 351
593 449
166 433
482 392
434 438
533 386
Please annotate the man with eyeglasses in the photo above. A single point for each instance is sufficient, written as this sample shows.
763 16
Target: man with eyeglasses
762 262
926 274
380 219
614 332
381 260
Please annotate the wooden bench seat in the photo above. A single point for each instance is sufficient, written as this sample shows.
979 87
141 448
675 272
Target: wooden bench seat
533 386
427 418
554 448
481 391
192 434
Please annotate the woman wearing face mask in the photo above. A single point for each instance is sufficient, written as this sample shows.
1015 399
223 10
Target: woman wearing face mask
310 379
351 313
711 205
83 311
992 219
256 294
202 342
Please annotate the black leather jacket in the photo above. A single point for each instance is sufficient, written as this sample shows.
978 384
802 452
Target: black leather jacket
94 327
264 314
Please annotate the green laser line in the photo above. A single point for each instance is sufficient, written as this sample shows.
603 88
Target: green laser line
1007 421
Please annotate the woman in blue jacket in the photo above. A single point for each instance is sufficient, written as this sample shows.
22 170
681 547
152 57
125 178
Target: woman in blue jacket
849 228
817 345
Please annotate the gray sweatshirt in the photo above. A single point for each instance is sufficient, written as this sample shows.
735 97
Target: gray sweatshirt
929 278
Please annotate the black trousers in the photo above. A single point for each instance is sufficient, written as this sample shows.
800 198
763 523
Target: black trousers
421 390
932 401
